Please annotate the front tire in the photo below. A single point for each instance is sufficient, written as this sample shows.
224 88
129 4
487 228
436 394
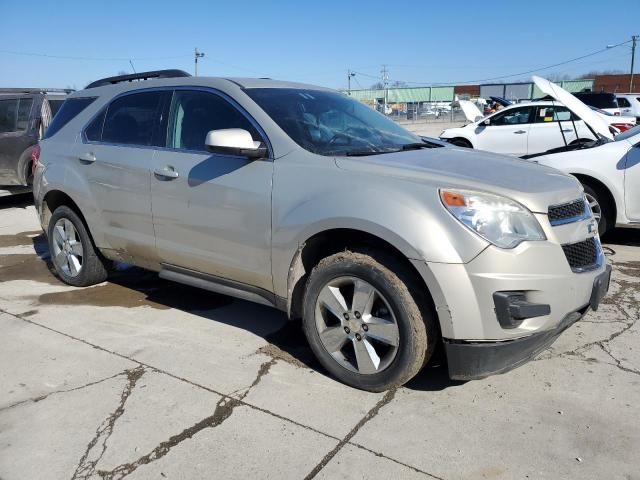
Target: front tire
364 324
72 251
460 142
599 204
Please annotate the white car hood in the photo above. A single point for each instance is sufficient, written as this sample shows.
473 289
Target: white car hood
576 106
471 111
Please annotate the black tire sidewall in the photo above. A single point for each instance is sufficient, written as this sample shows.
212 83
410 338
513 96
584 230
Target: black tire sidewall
603 224
92 270
412 345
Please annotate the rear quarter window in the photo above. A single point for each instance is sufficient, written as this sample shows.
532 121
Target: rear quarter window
67 112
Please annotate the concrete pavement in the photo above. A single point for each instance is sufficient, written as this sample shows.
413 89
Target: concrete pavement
143 379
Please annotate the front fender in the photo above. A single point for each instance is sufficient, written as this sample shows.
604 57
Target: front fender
406 215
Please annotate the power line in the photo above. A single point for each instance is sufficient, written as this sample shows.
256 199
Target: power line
109 59
528 71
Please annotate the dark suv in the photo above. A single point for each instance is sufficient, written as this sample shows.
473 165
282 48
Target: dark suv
25 113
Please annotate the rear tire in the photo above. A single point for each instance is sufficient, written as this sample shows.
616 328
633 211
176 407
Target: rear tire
72 251
601 208
375 344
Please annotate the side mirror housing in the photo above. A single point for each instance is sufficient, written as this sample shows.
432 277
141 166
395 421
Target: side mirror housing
234 141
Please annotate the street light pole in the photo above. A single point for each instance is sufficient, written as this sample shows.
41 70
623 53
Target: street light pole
349 75
385 83
197 55
634 40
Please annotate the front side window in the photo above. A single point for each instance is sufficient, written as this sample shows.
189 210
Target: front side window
133 119
513 116
196 113
329 123
8 115
553 113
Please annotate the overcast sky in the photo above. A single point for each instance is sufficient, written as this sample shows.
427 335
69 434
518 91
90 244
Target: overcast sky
311 41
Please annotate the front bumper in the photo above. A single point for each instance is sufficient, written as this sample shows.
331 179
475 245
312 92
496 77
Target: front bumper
469 360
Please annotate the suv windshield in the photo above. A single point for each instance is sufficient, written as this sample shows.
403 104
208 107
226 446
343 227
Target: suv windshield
329 123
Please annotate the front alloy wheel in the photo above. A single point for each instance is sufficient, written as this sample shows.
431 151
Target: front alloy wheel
356 325
367 320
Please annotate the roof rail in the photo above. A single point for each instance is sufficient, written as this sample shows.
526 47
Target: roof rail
36 90
138 76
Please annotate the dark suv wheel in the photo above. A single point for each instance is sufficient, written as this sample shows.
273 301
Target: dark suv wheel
363 323
72 252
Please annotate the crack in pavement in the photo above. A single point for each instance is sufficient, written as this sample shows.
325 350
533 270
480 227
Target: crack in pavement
56 392
385 400
86 466
224 409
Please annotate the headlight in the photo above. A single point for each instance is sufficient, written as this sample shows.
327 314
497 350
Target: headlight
500 220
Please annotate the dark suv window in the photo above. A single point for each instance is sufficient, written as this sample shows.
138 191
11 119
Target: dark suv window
133 119
67 112
513 116
598 100
15 114
194 114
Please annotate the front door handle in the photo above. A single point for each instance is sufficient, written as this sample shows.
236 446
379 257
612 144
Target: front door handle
167 172
520 132
567 129
88 157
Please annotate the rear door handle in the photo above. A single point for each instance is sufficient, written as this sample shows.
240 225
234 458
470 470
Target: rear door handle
520 132
167 172
88 157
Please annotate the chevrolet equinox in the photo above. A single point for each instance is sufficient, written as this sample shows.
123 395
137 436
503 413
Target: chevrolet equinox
384 243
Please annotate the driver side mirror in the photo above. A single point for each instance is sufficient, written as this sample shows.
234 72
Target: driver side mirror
234 141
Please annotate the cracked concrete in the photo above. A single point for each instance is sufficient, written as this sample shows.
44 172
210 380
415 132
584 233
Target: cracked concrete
137 379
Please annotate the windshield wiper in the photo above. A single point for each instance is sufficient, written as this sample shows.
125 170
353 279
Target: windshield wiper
364 153
415 146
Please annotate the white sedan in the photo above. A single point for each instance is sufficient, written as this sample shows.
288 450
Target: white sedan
520 129
608 168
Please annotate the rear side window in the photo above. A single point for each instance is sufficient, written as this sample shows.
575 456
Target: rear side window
67 112
623 102
14 114
133 119
195 113
24 112
8 115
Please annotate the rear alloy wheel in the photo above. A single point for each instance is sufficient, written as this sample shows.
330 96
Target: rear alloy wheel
364 324
72 251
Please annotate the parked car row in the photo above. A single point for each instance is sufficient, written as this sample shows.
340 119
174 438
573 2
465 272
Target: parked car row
384 244
24 116
568 135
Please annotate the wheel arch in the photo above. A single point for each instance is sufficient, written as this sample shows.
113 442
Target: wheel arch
600 185
333 240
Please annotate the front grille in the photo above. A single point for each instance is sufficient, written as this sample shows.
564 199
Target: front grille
582 255
567 212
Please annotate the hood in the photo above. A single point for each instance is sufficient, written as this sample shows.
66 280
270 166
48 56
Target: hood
471 111
576 106
535 186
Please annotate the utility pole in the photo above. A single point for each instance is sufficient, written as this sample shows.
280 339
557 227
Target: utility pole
349 75
385 83
197 55
634 41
